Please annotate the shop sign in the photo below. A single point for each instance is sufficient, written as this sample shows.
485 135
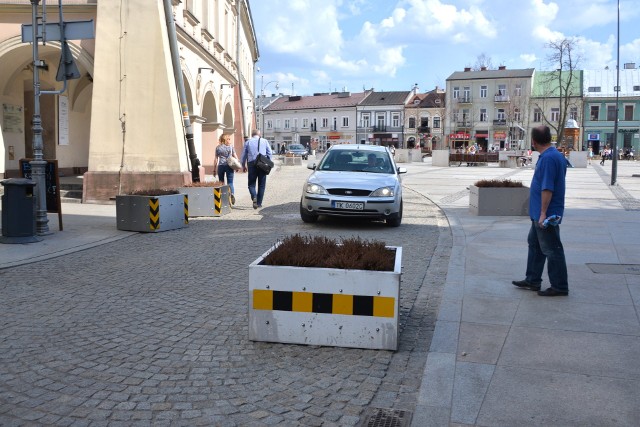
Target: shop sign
459 135
334 136
628 130
593 137
499 135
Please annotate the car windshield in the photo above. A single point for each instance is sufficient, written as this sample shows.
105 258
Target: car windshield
296 147
356 161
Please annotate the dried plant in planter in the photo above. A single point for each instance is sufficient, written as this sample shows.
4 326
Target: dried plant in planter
498 183
205 184
153 192
318 251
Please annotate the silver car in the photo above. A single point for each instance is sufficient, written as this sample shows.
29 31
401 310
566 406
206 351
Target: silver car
354 180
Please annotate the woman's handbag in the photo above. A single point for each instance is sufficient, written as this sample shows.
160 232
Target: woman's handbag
234 163
263 162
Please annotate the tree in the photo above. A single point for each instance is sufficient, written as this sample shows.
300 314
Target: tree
562 84
483 62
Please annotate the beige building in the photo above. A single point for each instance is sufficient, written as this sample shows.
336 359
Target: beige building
120 124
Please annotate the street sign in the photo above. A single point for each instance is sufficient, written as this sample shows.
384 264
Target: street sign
74 30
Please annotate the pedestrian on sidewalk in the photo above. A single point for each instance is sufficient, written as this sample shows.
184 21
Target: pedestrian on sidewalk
224 151
248 161
546 199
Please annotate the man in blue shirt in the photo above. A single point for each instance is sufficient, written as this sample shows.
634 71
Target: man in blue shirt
546 199
248 160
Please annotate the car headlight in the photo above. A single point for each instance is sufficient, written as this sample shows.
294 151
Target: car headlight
383 192
315 189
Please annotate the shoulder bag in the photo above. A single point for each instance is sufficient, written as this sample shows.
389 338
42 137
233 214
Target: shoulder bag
233 163
263 162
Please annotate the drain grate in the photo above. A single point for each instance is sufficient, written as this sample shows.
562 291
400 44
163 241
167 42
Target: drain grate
380 417
614 268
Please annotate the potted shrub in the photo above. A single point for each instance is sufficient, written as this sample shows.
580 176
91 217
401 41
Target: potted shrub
208 198
152 211
499 197
319 291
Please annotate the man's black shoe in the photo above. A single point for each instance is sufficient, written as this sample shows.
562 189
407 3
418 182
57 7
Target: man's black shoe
550 292
523 284
255 203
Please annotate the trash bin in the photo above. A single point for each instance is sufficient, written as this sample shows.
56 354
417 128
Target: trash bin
18 211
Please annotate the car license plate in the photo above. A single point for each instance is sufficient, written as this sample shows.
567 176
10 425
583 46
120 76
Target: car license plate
356 206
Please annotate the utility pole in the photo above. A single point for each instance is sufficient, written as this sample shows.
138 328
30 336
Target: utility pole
614 149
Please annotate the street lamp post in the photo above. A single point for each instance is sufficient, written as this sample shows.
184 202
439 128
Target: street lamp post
614 149
262 88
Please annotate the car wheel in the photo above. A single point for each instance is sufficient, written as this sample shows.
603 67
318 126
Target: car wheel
307 217
394 220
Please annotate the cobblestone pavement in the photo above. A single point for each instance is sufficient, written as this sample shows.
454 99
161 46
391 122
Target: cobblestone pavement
152 329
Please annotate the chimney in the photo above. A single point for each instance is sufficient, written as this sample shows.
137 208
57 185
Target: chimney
467 69
630 66
502 67
483 68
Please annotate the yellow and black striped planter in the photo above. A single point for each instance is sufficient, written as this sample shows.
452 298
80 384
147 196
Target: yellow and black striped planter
208 201
152 214
325 306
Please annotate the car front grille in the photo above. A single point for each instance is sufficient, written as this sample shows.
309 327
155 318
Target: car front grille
348 192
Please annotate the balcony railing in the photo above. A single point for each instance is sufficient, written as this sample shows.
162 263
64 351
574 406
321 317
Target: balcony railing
379 128
500 122
501 98
424 129
464 124
464 100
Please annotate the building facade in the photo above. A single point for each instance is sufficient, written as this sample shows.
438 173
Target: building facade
381 118
488 108
600 109
424 120
316 122
121 123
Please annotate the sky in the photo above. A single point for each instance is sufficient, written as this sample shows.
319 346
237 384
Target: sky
309 46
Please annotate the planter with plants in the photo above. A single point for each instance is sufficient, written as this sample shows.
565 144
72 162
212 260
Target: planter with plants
151 211
499 197
319 291
208 198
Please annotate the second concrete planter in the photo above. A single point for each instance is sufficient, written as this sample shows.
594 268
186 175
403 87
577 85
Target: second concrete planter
499 201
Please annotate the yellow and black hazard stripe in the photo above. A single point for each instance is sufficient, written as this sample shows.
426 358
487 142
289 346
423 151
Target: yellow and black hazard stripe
217 200
309 302
186 209
154 213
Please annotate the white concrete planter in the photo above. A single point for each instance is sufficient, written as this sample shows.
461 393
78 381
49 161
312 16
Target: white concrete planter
151 214
325 306
499 201
440 158
208 201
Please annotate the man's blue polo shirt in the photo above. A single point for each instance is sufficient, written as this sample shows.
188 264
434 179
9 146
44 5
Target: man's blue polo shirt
550 173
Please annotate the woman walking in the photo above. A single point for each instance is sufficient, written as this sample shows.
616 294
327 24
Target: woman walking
224 151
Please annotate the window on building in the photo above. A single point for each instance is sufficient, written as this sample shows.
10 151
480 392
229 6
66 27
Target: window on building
456 92
628 112
467 93
636 88
412 122
436 122
424 121
345 121
483 91
325 122
395 120
518 89
287 124
455 114
517 116
555 114
611 113
502 89
537 115
335 124
269 124
573 113
295 124
483 114
305 123
626 138
594 113
501 115
380 120
366 120
594 89
609 139
465 117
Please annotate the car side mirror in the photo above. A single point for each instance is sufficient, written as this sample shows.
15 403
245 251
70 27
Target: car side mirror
311 166
402 170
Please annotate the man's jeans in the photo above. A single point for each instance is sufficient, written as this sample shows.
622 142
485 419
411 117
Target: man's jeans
256 174
545 245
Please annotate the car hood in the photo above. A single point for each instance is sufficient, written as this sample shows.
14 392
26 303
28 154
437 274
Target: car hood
362 180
